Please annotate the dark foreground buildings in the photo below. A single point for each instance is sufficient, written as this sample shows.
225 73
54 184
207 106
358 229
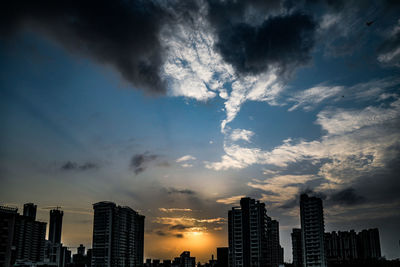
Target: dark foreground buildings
312 231
21 237
253 236
312 247
118 236
349 246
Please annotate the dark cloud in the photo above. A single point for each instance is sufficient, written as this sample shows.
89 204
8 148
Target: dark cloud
178 227
73 166
161 233
281 41
172 190
290 203
179 235
311 193
139 162
123 34
347 197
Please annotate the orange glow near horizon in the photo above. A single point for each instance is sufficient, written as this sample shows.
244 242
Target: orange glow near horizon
200 243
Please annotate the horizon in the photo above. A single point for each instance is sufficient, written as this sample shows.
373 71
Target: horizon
147 243
178 109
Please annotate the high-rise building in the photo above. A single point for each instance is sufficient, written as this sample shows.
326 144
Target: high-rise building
29 239
253 236
312 231
56 217
341 246
22 233
8 216
275 251
369 246
348 246
118 236
30 210
247 228
222 257
296 248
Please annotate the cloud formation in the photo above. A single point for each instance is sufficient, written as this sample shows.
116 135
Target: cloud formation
282 42
139 162
185 158
74 166
122 34
230 200
173 190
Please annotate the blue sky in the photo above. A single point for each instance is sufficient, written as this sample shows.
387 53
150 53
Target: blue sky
322 117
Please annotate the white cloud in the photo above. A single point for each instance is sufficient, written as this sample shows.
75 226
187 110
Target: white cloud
264 87
241 134
193 69
187 165
185 158
351 134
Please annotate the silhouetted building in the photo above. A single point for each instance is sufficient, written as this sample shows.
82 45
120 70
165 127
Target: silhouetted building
275 251
341 246
29 239
296 248
222 257
8 217
349 247
167 263
89 258
369 246
56 217
312 231
118 236
81 250
30 210
184 260
22 238
253 236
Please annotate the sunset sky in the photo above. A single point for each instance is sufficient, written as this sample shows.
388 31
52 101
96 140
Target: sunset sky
179 108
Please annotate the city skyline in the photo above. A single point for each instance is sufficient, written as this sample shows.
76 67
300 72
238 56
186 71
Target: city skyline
179 108
251 204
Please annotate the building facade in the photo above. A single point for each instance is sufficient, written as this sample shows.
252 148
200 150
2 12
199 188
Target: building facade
296 248
253 236
8 216
118 236
55 228
349 246
312 231
22 237
30 210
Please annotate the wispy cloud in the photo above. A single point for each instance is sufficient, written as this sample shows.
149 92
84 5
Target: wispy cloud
315 95
230 200
185 158
174 209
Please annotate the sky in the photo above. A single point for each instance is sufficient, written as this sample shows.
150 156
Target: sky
180 108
